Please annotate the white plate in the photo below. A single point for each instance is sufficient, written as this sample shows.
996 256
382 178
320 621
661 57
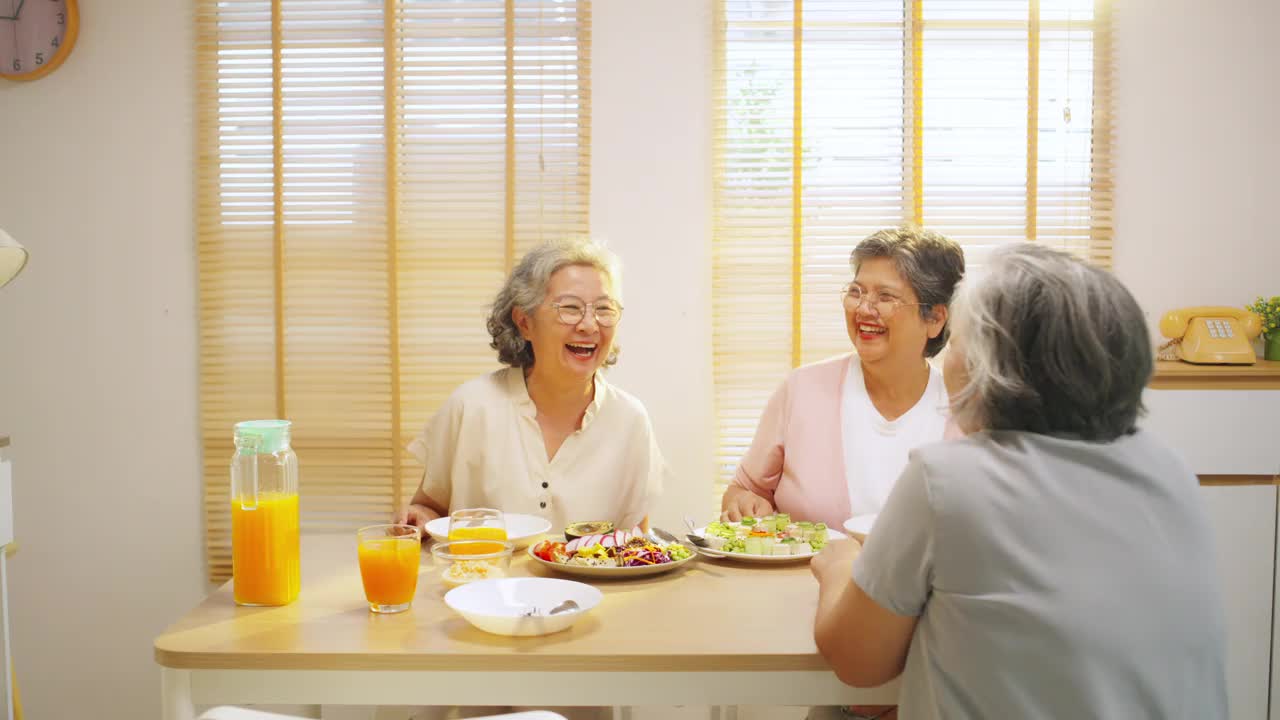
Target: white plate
610 572
521 529
519 606
860 524
709 552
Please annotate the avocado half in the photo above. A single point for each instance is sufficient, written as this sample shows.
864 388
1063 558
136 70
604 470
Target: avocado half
576 530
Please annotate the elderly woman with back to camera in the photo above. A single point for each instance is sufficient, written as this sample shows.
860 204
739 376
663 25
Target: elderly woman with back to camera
1055 562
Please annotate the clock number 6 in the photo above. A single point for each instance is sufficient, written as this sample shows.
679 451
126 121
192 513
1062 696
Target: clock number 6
17 65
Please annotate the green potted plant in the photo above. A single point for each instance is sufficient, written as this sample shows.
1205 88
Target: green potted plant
1269 311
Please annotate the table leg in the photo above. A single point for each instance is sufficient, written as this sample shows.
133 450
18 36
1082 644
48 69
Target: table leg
175 695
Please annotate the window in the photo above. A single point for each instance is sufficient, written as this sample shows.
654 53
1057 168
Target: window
986 120
369 170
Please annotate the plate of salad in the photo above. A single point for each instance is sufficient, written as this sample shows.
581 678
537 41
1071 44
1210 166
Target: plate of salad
619 554
771 539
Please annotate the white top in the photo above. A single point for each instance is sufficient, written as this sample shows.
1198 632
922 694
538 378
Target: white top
484 448
875 449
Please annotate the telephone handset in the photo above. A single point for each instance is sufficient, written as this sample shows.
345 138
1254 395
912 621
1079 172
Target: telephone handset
1213 334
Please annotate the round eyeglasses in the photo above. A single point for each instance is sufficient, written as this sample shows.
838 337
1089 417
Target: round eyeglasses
572 311
883 304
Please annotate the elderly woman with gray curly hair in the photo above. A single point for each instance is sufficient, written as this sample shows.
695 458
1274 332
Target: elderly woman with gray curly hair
1057 561
546 435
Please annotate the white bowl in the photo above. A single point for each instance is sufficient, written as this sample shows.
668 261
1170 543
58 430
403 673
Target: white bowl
860 524
519 606
522 530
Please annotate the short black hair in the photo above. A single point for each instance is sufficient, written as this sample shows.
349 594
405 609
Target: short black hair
931 262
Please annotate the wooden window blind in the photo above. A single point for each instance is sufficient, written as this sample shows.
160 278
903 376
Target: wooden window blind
368 172
988 120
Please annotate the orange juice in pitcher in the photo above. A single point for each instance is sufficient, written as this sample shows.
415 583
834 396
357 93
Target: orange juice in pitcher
265 557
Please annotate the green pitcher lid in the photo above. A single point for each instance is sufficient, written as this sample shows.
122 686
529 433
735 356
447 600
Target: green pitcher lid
273 435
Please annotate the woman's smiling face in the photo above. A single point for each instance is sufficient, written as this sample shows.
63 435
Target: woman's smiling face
571 350
882 315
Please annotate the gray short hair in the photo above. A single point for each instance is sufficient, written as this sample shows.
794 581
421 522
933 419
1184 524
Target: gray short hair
526 288
931 262
1052 345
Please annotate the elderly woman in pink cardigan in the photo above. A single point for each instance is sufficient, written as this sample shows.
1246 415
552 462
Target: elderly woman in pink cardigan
835 435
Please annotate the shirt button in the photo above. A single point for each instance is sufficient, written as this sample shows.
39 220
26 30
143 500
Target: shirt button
542 505
545 485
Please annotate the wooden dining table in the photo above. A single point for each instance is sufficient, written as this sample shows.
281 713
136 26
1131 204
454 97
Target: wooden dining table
712 632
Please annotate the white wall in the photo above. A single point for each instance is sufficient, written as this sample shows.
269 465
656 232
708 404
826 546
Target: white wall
98 361
651 201
97 338
1198 93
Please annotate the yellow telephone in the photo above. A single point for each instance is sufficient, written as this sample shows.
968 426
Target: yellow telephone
1207 335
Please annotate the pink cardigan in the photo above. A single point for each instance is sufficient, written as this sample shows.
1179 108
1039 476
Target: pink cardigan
796 459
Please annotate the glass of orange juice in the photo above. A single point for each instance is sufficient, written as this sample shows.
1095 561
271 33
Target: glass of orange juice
389 558
479 524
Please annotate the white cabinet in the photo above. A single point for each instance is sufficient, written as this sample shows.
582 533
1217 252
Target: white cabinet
1232 433
1219 432
1244 527
6 537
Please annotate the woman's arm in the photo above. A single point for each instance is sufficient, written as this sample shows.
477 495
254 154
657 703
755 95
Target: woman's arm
739 502
435 449
863 626
421 510
865 643
760 470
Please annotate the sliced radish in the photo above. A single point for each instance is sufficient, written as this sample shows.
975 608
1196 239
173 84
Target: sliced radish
573 545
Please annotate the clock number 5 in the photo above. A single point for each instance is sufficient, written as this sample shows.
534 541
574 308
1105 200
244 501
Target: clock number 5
39 59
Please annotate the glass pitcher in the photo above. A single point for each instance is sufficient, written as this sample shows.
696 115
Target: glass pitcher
265 562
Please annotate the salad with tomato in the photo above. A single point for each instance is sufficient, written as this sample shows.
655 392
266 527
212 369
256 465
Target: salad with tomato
616 549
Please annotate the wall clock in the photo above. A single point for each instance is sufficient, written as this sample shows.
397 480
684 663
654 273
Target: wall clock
36 36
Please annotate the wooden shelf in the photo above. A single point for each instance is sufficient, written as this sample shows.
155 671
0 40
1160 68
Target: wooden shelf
1238 480
1177 375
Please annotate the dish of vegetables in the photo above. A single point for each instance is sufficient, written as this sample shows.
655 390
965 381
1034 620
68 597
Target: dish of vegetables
768 539
619 554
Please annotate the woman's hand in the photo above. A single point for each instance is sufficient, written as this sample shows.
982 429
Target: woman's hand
416 515
740 502
835 562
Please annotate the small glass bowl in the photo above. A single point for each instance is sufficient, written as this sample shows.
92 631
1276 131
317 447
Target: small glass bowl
462 561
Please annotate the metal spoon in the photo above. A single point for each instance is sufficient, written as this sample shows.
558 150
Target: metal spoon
704 547
693 535
566 606
693 528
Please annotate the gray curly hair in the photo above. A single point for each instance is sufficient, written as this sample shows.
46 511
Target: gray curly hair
1052 345
526 288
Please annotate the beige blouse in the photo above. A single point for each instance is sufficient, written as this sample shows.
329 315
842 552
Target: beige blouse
484 448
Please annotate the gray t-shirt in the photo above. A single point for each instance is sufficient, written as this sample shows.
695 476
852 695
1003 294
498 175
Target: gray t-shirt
1053 578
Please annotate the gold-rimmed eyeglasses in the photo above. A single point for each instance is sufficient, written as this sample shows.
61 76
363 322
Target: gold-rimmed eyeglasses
571 311
882 303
